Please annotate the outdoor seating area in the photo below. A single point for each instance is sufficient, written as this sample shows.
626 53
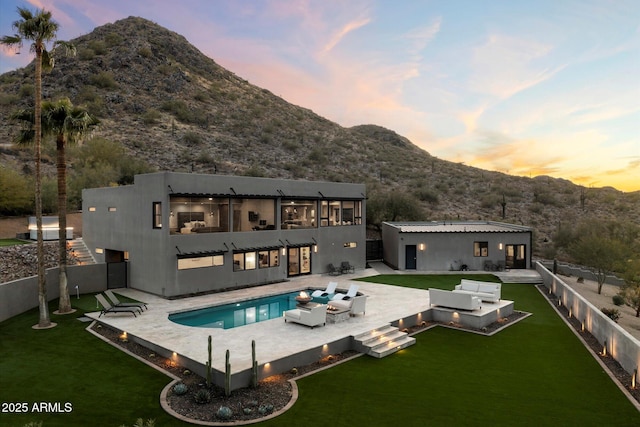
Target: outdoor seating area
455 300
345 268
311 314
486 291
108 308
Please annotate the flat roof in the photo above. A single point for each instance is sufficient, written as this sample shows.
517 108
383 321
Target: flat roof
457 227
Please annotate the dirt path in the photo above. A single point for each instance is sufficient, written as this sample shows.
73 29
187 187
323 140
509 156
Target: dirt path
589 290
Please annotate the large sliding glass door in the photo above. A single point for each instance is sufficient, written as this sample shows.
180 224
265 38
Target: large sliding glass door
298 260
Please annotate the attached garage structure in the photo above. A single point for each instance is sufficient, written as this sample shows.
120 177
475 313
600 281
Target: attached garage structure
457 245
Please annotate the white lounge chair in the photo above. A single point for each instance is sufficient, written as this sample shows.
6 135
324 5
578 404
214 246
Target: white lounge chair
352 292
331 288
312 317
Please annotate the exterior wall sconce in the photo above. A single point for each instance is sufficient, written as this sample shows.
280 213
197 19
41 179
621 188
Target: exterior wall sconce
500 246
422 246
284 251
315 248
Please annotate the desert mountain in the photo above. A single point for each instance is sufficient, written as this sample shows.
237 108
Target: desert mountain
171 105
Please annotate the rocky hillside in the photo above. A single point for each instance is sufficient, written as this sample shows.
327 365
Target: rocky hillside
166 102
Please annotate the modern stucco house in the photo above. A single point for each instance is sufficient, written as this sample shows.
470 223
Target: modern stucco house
447 245
175 234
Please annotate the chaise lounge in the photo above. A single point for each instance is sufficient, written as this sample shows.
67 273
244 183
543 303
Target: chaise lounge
309 317
331 288
116 302
108 308
352 292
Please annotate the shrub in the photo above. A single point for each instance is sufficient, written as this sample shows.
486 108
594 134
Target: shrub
580 279
180 389
202 396
145 52
224 413
98 46
103 80
192 138
86 54
618 299
611 313
26 90
151 117
265 409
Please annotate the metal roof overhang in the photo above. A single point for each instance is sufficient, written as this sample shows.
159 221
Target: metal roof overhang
200 254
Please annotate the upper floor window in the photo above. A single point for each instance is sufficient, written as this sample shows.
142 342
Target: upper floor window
336 212
254 214
157 214
198 215
298 214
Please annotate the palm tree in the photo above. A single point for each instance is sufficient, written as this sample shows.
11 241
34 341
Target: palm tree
38 28
68 124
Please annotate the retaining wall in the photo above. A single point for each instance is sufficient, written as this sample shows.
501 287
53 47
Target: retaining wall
621 345
21 295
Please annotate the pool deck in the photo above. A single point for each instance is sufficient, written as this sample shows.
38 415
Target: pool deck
274 338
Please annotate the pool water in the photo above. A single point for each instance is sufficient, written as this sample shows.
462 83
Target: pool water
238 314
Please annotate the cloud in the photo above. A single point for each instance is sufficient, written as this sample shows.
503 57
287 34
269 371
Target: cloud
419 38
342 33
505 65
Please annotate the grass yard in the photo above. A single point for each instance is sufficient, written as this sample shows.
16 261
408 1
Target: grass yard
12 242
536 372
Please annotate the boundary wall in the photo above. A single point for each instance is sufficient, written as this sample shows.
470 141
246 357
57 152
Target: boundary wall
620 345
21 295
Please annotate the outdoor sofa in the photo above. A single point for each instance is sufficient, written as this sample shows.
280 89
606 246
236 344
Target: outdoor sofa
456 300
487 291
309 317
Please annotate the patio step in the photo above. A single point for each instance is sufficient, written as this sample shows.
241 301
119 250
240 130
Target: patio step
381 342
81 252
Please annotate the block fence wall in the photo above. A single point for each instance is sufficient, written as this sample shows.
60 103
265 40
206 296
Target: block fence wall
620 345
21 295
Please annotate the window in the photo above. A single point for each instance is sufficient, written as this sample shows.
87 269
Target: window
268 258
244 261
481 249
200 262
298 214
157 215
254 214
112 209
351 245
335 212
190 215
92 208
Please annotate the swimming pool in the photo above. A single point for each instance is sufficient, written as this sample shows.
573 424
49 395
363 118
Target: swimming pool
237 314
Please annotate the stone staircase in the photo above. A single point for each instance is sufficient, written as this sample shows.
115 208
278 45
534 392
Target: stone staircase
81 252
520 276
381 342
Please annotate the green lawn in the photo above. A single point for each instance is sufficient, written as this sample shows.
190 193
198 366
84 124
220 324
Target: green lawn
536 372
12 242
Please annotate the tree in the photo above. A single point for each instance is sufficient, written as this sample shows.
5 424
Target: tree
39 29
393 206
600 246
67 123
631 289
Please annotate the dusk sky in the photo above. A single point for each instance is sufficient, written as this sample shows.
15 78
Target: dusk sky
523 87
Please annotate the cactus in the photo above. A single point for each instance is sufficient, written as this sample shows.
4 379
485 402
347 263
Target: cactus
227 376
209 364
254 365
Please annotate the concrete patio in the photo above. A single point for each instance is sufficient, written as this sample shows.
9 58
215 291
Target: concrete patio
279 345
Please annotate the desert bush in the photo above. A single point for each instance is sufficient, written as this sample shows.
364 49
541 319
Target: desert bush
180 389
202 396
611 313
145 52
103 80
618 299
151 117
113 39
16 193
86 54
427 195
98 46
224 413
26 90
192 138
8 98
